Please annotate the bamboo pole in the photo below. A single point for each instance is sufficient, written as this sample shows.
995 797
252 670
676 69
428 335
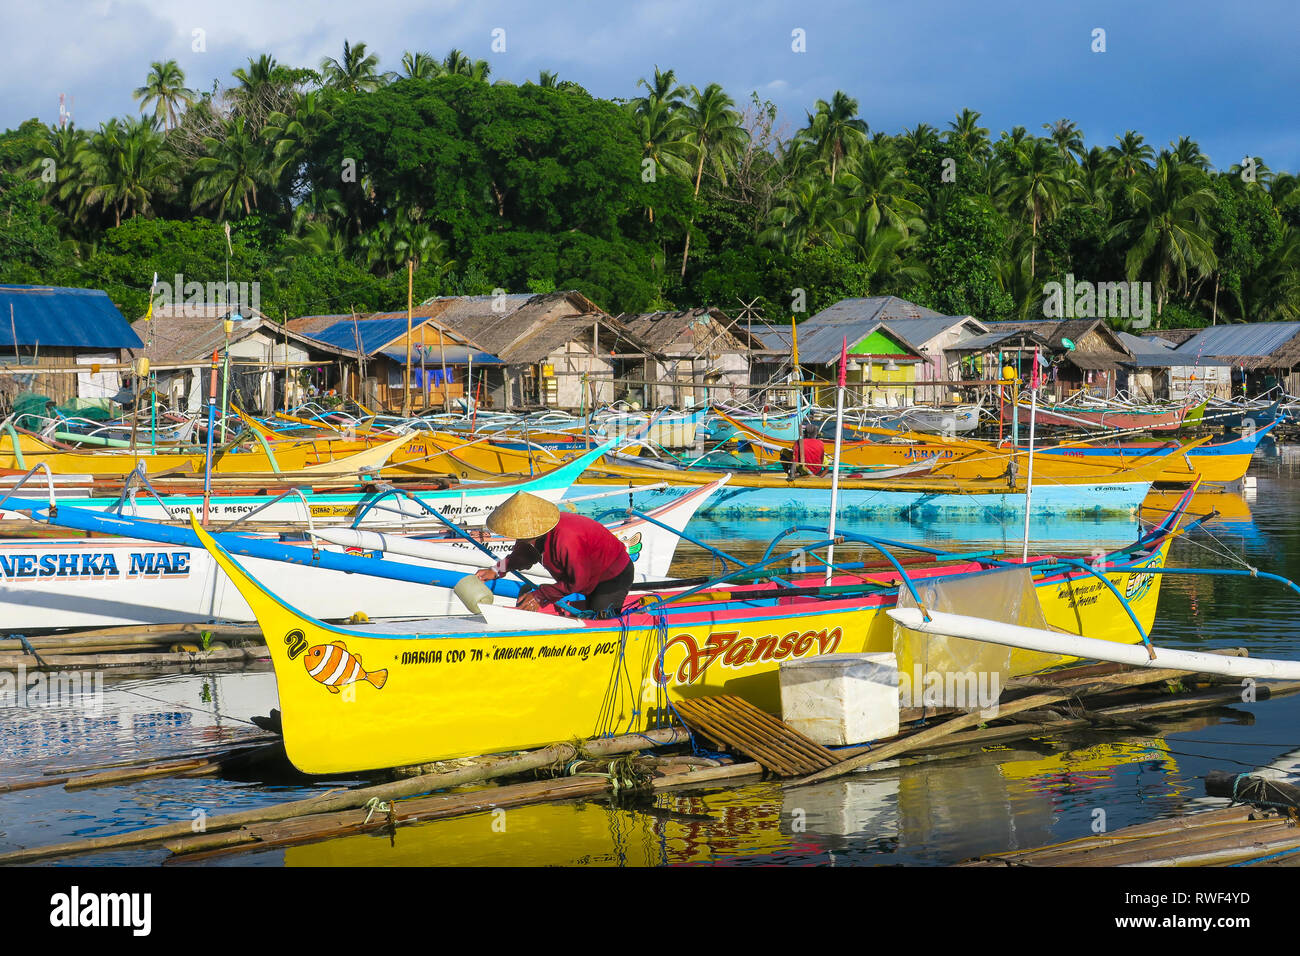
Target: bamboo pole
136 634
84 661
410 283
353 799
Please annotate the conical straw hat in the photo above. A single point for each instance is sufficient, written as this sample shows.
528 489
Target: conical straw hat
523 516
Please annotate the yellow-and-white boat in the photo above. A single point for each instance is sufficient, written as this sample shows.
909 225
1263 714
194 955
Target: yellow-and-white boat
371 696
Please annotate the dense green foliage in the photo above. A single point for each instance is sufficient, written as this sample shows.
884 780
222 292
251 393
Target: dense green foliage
333 180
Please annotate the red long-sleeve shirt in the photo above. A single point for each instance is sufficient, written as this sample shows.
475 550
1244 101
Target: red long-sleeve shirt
578 552
810 452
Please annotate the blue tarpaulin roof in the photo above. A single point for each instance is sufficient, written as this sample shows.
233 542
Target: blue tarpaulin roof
373 333
62 318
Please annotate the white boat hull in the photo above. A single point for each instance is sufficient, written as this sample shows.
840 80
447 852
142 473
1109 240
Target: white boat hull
102 582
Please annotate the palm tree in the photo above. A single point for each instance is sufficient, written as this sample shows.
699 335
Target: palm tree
68 147
712 127
420 66
877 190
1067 137
1272 292
1282 186
1132 155
125 165
315 238
834 130
1167 235
1259 171
231 172
883 250
1096 170
356 72
548 80
913 141
808 213
404 237
290 136
1038 189
661 124
165 89
663 89
1015 277
1188 152
968 135
458 64
257 82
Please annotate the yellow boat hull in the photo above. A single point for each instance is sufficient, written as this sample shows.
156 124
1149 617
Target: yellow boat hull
433 694
963 458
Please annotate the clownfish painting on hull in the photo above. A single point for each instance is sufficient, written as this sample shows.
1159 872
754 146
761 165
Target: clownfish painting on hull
335 666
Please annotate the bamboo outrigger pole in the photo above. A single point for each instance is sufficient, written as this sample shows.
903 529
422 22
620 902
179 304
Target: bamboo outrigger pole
207 458
835 461
1029 478
794 349
410 285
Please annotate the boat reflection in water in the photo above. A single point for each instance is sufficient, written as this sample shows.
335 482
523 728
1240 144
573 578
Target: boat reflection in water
1061 534
1027 794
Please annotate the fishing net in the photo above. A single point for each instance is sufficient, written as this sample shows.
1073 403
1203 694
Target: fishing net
32 410
940 671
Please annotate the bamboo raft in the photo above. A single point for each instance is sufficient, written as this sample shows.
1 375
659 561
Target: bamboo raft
1044 705
1230 836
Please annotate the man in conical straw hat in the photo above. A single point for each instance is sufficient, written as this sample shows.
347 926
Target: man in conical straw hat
581 554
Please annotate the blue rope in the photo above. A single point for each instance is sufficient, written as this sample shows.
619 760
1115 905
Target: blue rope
27 646
1265 859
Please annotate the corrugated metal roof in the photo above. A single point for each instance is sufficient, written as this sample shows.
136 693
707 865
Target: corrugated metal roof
1252 339
991 340
1179 359
63 318
916 332
821 335
374 333
1146 346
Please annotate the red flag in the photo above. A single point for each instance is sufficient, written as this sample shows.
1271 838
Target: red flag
844 361
1034 376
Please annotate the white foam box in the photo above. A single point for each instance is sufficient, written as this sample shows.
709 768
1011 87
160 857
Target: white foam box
841 699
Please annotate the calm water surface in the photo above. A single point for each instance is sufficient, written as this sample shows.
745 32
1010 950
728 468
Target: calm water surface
1023 794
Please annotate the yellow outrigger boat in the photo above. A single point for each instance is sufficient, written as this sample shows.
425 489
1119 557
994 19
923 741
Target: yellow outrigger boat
372 696
308 459
962 458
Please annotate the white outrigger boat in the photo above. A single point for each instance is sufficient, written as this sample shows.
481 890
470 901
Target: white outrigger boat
105 581
467 503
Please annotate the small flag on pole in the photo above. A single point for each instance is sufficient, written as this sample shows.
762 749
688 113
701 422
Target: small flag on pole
844 361
153 285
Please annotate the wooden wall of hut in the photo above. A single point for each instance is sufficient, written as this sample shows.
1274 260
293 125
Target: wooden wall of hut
61 386
424 395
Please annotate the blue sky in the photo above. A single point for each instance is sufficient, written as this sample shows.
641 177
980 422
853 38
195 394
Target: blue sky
1224 74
